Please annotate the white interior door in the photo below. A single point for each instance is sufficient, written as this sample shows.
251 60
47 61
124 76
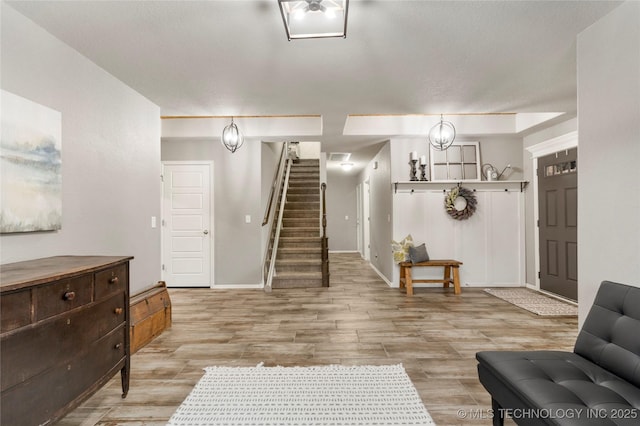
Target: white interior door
186 224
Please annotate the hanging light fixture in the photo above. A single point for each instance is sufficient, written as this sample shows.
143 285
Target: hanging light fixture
232 139
441 135
314 18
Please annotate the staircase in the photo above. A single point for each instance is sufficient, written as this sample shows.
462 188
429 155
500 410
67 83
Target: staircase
299 256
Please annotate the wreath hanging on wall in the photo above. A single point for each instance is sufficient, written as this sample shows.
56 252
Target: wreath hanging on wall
460 203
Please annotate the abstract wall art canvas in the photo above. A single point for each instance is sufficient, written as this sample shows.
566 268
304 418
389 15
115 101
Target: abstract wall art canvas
30 166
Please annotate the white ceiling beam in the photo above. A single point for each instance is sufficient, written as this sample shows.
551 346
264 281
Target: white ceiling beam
250 126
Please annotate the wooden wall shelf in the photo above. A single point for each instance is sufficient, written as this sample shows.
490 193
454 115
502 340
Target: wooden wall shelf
475 185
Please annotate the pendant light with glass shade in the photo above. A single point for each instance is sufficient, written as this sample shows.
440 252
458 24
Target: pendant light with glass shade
232 139
441 135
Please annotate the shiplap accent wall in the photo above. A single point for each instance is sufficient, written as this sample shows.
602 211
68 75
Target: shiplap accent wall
490 243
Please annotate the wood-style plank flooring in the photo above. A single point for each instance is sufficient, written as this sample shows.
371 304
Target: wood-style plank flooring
358 320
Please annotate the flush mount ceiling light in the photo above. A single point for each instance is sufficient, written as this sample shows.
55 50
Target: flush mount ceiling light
346 166
314 18
231 137
441 135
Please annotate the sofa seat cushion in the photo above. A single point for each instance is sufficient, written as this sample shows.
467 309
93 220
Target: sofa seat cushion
571 389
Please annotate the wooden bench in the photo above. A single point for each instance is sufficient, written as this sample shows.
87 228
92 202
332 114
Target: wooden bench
451 274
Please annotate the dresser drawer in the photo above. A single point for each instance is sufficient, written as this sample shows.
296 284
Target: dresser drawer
112 280
56 390
62 296
28 352
65 334
15 310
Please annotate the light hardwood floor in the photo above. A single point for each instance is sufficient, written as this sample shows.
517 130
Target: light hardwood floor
358 320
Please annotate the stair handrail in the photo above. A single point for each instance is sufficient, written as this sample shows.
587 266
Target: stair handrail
278 223
325 239
277 178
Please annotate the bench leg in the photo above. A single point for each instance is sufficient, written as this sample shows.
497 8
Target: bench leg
456 280
402 276
408 281
446 277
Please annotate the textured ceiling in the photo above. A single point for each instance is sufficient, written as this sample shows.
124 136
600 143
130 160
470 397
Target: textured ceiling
399 57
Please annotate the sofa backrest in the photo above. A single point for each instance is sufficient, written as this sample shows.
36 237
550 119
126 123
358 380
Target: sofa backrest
610 335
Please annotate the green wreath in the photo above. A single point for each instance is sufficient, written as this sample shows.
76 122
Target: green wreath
450 203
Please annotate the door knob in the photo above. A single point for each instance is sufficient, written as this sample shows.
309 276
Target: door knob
206 231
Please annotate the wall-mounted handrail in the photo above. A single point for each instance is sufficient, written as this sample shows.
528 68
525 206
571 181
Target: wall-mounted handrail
277 176
325 240
278 223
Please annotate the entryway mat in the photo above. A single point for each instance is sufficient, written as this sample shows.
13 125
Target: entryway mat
533 301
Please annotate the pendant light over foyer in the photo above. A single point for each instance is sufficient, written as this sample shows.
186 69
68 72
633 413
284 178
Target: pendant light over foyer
232 139
441 135
314 18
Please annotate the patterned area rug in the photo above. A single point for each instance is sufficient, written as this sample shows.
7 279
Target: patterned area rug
534 301
324 395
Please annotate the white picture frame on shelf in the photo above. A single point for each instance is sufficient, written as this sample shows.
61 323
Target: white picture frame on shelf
460 162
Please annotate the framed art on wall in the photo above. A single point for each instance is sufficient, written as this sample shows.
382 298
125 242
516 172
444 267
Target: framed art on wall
31 166
461 161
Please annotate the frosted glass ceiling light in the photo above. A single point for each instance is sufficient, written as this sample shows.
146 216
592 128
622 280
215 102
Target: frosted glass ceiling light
346 166
314 18
441 135
231 137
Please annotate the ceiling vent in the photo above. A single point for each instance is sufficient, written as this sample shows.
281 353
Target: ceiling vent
339 156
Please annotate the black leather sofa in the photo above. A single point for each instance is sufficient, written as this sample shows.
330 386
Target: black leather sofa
598 384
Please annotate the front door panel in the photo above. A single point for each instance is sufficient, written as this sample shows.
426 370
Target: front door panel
558 213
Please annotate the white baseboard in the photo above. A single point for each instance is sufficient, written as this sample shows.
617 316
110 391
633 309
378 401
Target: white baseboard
237 286
344 251
389 283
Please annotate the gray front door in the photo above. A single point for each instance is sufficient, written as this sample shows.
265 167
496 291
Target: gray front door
558 227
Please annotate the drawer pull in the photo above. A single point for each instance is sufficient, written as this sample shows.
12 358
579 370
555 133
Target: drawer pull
70 295
114 280
117 311
117 346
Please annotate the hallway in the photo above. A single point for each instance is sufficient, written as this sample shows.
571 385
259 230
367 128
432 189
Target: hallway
358 320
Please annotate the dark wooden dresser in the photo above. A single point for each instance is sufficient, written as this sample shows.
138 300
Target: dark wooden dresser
64 334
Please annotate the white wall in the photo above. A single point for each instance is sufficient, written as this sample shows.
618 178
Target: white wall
380 211
490 243
237 192
110 153
609 153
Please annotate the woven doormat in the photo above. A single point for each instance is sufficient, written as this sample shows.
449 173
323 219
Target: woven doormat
534 301
324 395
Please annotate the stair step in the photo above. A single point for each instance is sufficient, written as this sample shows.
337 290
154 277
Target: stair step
289 213
304 182
305 222
304 175
303 190
309 198
304 242
297 280
300 232
300 266
301 205
300 252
